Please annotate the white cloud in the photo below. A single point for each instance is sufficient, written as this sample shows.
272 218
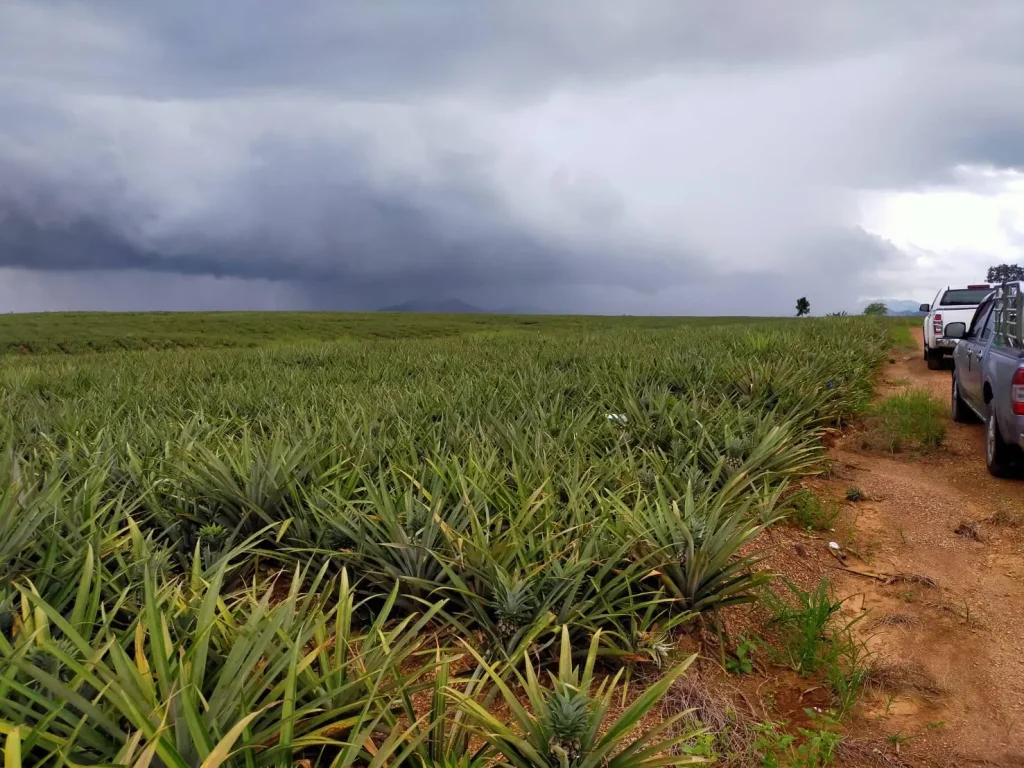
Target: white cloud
953 233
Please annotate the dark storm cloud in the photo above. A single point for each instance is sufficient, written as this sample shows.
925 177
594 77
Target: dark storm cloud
599 155
311 214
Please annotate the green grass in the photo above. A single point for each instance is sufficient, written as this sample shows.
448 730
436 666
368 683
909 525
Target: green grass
808 511
911 420
900 330
185 534
813 639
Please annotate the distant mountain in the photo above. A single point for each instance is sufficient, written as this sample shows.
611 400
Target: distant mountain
899 307
441 307
520 310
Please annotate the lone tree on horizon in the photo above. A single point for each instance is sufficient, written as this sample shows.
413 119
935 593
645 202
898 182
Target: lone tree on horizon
803 306
1004 273
876 308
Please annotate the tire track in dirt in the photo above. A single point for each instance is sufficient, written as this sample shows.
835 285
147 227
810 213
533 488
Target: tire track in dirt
954 623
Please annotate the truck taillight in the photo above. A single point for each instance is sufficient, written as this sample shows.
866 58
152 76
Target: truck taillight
1017 392
937 324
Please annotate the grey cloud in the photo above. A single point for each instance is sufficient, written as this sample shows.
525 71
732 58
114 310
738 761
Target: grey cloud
25 290
586 155
365 48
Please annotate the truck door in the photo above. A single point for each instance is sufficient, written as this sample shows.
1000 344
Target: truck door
977 340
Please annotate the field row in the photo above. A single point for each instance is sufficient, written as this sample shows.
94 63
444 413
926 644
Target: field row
74 333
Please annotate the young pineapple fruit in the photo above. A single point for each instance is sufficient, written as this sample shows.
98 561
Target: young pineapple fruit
6 613
736 449
211 536
647 479
513 607
335 540
694 476
416 520
212 533
67 647
48 661
655 644
568 722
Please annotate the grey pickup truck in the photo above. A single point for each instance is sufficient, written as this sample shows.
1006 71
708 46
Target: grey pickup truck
988 375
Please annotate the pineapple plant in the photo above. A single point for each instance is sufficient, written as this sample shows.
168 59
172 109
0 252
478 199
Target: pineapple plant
294 450
569 723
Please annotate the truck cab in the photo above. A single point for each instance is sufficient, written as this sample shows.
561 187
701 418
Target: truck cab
988 374
950 305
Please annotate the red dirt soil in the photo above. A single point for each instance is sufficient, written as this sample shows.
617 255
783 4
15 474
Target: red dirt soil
963 634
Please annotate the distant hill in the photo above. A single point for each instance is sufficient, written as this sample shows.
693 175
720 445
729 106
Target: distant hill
442 307
520 310
899 307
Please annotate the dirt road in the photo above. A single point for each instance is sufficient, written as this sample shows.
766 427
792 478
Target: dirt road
953 622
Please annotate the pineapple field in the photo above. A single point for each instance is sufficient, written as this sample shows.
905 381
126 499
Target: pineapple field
474 546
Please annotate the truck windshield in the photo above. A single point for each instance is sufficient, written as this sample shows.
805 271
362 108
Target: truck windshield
964 297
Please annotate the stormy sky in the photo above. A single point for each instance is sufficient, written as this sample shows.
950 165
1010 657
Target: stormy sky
607 156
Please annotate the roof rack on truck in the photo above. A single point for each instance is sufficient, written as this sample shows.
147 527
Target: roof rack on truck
1008 315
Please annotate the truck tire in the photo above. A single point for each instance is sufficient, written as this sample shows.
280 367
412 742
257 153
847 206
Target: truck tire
958 409
998 455
934 358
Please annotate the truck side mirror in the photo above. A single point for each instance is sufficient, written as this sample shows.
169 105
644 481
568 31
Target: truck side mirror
925 308
956 330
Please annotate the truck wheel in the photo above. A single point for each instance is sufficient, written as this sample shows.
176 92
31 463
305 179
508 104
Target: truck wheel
934 358
998 457
959 411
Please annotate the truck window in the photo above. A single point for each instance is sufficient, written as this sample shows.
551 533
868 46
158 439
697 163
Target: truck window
964 297
980 316
986 329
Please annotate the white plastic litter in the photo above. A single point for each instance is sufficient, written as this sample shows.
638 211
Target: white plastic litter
617 418
834 545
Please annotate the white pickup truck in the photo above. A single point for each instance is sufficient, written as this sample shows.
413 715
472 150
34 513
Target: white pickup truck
951 305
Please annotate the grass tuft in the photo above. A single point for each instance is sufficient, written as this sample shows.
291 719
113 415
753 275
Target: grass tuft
909 421
808 511
813 640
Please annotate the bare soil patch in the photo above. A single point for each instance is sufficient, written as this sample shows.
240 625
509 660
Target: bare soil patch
947 630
